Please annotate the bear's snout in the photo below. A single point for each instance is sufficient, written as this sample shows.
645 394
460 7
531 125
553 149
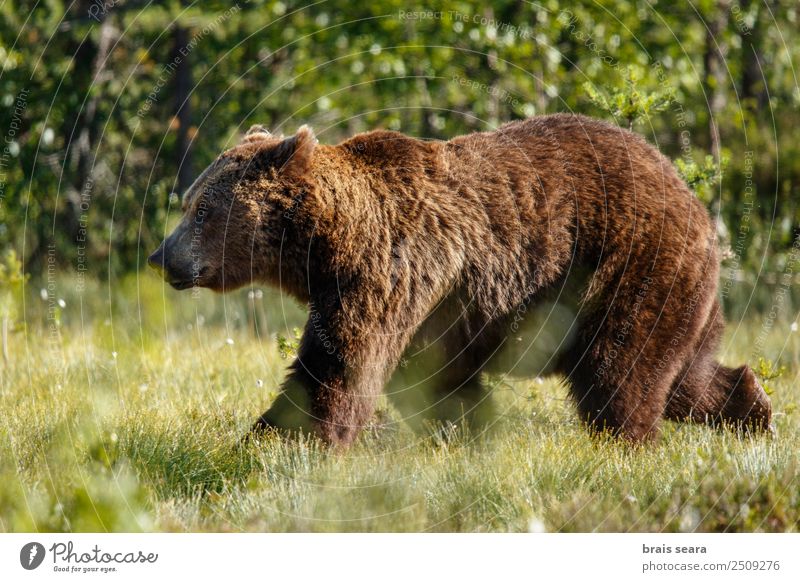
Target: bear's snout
180 274
156 260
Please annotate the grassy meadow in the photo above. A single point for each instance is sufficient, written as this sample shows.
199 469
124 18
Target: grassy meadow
121 409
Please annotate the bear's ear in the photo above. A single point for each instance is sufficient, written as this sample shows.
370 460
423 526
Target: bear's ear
257 129
257 132
293 154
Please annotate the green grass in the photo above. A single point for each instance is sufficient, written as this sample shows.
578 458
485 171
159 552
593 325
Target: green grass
148 440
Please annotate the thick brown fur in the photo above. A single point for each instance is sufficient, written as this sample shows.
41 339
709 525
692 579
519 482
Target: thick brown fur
397 243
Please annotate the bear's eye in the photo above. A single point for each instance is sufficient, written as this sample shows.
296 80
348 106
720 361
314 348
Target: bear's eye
203 212
205 209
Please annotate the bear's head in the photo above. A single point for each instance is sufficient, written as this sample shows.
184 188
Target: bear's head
234 214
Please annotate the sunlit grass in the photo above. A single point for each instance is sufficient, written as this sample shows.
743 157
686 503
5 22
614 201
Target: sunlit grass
135 425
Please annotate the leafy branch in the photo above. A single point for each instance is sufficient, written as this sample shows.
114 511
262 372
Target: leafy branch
629 103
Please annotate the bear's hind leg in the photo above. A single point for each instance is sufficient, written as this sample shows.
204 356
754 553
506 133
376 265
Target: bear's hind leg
616 402
620 368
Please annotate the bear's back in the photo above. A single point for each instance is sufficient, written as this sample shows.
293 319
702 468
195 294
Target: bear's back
626 194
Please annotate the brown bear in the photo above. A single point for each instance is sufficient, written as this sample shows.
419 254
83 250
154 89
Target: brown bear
404 246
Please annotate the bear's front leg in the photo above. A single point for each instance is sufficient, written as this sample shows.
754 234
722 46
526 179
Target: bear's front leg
334 383
291 410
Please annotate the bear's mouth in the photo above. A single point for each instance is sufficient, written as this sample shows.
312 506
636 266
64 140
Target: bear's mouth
184 284
197 280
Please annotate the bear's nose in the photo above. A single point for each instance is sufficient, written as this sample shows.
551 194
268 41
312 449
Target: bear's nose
156 260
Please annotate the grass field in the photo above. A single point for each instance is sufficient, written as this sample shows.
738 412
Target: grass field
122 412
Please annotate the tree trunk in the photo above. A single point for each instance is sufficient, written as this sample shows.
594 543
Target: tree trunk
716 50
754 94
183 112
83 149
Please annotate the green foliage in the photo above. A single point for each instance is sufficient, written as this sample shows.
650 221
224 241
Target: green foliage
630 104
288 347
767 371
93 142
11 280
702 177
694 174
